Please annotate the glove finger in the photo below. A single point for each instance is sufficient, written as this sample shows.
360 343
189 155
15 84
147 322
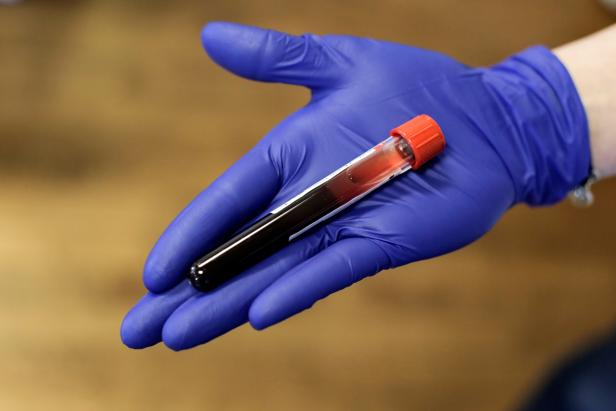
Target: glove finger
241 192
209 315
338 266
272 56
142 326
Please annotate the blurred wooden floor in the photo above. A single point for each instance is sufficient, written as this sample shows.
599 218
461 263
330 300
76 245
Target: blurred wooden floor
110 118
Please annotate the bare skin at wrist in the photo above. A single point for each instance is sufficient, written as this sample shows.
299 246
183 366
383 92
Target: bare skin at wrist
591 61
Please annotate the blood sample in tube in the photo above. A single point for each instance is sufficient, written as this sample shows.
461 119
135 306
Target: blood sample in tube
409 146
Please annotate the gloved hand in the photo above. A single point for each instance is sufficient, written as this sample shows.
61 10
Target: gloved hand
516 132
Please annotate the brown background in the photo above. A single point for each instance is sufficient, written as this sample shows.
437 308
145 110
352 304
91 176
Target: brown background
112 118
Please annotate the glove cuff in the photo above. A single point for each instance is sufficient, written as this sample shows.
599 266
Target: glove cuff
549 149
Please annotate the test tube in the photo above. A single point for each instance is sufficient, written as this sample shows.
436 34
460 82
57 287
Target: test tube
409 146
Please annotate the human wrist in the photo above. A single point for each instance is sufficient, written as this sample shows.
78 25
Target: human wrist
591 62
544 134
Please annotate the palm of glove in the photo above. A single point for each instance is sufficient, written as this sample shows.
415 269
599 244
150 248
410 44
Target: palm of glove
361 89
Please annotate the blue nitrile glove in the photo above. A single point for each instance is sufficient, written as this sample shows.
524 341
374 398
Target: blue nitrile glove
516 132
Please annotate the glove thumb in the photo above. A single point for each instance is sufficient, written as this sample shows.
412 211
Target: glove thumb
272 56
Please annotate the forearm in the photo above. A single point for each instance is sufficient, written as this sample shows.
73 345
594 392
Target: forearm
591 61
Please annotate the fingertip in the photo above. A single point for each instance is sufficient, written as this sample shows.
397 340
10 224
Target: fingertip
173 336
152 283
135 333
176 333
233 46
246 51
216 30
155 277
211 33
142 326
268 309
259 314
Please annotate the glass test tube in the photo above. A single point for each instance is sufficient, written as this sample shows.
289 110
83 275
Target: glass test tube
409 146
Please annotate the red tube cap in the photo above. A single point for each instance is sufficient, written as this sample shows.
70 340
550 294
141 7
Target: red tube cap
424 136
